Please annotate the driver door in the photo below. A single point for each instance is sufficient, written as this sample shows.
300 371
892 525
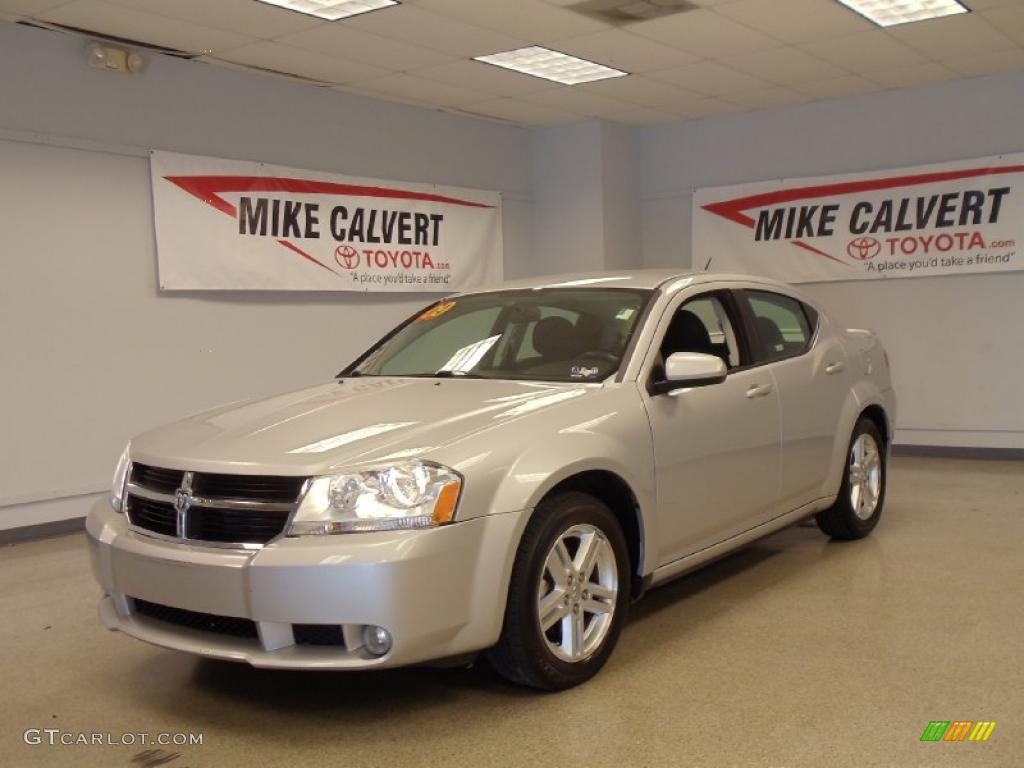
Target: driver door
717 447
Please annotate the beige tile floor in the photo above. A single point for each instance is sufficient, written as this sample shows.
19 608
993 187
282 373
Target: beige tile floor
794 652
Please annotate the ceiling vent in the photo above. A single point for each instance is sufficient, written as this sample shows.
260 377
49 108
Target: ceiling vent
622 12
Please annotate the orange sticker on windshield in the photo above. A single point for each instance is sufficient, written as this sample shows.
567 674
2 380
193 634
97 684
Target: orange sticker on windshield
435 311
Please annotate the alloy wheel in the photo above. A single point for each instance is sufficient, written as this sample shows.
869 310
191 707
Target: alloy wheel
865 476
577 593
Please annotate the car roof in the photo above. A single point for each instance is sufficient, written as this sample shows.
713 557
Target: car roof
628 278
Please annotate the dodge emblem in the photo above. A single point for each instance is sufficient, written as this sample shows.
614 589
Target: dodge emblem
182 501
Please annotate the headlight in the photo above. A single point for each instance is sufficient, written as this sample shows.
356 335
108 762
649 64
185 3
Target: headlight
120 477
413 494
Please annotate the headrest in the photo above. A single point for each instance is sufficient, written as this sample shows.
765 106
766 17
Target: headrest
770 335
555 337
686 333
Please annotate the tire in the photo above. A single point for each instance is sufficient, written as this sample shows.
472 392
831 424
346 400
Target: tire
853 516
563 656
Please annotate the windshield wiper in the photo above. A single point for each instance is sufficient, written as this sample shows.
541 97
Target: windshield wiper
436 375
449 375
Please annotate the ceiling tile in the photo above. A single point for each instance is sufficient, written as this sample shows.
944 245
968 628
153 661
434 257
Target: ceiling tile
28 7
431 30
763 98
639 90
908 77
704 33
425 91
521 112
642 116
341 40
865 51
838 87
796 21
1011 60
145 27
1009 20
485 78
784 66
710 78
978 5
572 99
531 20
284 58
622 50
244 16
952 36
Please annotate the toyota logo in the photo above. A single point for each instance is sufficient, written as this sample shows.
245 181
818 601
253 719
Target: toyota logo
346 256
863 248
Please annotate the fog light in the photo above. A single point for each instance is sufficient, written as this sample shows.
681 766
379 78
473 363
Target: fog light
376 639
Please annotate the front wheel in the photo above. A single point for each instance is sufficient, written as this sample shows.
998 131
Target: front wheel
862 494
568 596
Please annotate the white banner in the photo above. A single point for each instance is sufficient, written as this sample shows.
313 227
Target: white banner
945 219
226 224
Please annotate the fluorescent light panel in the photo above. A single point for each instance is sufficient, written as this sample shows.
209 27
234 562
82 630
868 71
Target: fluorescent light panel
332 10
551 65
888 13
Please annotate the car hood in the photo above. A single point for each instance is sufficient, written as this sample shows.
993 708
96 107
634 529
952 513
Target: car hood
345 421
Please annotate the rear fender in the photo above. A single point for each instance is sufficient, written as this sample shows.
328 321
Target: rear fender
864 394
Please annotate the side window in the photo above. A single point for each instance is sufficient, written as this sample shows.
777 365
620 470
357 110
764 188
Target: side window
702 325
781 324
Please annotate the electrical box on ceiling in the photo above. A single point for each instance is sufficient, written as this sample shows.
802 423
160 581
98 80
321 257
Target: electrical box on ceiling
621 12
114 59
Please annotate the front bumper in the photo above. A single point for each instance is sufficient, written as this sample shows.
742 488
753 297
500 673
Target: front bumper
439 592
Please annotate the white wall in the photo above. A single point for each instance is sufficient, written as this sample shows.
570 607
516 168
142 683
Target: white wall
568 196
586 194
954 341
92 351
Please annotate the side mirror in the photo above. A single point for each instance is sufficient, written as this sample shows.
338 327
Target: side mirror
690 369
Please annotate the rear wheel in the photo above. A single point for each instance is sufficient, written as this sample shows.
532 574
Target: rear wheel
568 595
862 494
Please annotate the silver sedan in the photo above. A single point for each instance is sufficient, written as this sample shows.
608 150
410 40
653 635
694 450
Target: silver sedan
505 472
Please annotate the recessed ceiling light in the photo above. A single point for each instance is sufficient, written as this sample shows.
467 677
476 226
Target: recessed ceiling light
551 65
888 13
332 10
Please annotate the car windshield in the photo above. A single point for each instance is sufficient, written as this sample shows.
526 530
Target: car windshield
546 334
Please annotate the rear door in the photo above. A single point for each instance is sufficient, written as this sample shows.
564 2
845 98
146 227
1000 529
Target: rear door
808 365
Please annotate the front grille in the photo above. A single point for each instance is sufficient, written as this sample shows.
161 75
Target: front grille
278 490
156 479
204 622
234 525
318 634
215 508
156 516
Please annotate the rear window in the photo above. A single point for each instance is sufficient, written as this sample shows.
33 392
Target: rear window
783 324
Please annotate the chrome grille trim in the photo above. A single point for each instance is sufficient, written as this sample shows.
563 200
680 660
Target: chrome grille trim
181 501
200 501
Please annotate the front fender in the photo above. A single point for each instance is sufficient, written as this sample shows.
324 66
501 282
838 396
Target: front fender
549 462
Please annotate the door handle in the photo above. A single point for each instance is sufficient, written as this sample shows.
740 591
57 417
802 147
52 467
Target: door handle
833 368
759 390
